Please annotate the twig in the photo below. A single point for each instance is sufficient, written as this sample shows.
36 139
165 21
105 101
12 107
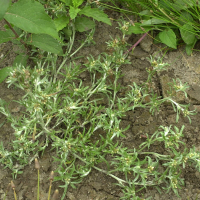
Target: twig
16 35
136 43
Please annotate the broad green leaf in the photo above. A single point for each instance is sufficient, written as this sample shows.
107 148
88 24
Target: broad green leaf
4 73
30 16
157 39
61 22
185 17
95 13
6 36
185 4
189 47
67 32
67 2
20 59
77 3
168 37
154 21
179 5
187 33
3 7
165 5
137 29
84 24
46 43
73 12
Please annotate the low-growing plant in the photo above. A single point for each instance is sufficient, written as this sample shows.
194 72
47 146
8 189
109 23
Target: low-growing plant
175 21
81 123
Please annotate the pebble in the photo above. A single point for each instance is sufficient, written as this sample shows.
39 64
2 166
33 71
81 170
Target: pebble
157 197
146 44
197 174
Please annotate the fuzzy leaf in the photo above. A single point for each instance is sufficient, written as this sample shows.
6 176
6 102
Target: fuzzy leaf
84 24
96 14
73 12
168 37
187 34
61 22
3 7
46 43
4 73
30 16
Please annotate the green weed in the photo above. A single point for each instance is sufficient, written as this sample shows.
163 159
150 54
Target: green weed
81 122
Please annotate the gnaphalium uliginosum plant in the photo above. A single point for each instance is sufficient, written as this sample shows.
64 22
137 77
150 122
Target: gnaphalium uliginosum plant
64 112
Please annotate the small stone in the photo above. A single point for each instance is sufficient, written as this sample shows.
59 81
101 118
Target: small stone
157 197
10 96
197 174
16 109
83 75
146 43
70 196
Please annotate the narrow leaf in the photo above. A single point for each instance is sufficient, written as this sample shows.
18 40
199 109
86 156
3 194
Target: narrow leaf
96 14
30 16
187 34
46 43
3 7
61 22
73 12
84 24
168 37
4 73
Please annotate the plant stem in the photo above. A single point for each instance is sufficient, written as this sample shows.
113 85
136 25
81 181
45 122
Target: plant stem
136 43
38 190
64 61
16 35
162 10
64 193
